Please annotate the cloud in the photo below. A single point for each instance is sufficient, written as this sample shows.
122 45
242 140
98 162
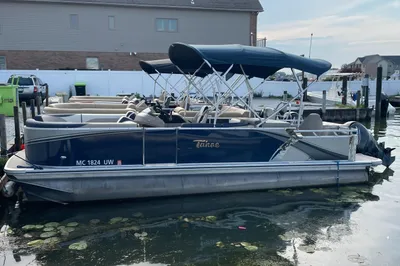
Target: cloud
395 4
374 42
342 29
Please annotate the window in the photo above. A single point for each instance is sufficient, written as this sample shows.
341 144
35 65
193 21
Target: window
25 81
74 21
111 22
167 24
3 64
92 63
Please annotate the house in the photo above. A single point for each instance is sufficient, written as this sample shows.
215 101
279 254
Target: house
116 34
369 64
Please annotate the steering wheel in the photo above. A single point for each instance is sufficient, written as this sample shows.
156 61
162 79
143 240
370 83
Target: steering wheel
158 108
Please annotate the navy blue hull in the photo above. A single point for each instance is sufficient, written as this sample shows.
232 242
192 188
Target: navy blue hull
189 145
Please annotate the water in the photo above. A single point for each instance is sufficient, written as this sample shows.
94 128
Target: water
355 225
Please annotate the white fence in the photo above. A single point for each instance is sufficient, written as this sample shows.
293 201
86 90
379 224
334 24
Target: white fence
109 83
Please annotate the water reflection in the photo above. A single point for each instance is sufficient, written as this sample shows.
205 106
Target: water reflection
195 230
257 228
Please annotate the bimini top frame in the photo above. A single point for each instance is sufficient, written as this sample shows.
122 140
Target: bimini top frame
248 61
165 66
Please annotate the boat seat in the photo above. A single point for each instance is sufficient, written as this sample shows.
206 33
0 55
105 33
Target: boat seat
123 119
131 115
202 115
312 122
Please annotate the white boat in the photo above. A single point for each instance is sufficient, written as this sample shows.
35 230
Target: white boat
334 95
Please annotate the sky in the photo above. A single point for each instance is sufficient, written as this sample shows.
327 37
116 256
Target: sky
342 29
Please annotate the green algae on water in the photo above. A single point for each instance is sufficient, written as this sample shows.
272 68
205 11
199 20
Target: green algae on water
72 224
115 220
52 224
36 242
48 234
78 245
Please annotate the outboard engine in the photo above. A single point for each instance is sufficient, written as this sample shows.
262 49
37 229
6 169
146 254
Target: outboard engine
384 104
367 145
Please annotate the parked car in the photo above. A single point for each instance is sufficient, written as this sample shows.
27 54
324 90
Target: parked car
28 86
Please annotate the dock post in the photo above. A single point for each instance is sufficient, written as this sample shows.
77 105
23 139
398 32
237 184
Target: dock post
344 90
378 93
365 90
304 86
17 130
285 96
38 104
323 103
32 106
47 95
358 98
3 135
23 106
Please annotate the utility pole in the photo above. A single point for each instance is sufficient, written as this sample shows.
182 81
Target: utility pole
309 52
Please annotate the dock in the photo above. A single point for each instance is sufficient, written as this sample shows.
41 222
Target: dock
333 114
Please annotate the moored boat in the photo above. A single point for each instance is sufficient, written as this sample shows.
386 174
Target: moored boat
160 153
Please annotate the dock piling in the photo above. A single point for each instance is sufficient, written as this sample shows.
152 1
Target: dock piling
3 135
32 106
365 90
47 94
285 96
17 129
304 86
38 104
358 98
378 93
23 107
323 103
344 90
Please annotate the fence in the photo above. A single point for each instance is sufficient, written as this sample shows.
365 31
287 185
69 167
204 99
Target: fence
109 83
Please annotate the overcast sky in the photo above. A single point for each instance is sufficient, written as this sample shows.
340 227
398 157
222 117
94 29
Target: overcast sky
343 29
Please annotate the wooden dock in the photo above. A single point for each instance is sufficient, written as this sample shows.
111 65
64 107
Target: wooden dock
333 114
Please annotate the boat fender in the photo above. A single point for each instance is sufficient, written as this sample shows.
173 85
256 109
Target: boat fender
9 189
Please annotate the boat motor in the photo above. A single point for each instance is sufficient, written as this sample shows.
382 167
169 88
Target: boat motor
384 104
367 145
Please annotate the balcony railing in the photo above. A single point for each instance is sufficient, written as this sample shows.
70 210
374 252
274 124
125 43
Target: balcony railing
261 42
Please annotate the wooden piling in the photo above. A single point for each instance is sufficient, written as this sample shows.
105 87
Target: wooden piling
365 88
3 135
323 103
358 98
378 93
47 95
304 86
17 129
23 106
344 90
38 104
32 106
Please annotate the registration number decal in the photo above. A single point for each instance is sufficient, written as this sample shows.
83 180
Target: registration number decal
94 162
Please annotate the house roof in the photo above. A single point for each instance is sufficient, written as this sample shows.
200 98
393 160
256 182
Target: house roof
367 58
231 5
395 59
